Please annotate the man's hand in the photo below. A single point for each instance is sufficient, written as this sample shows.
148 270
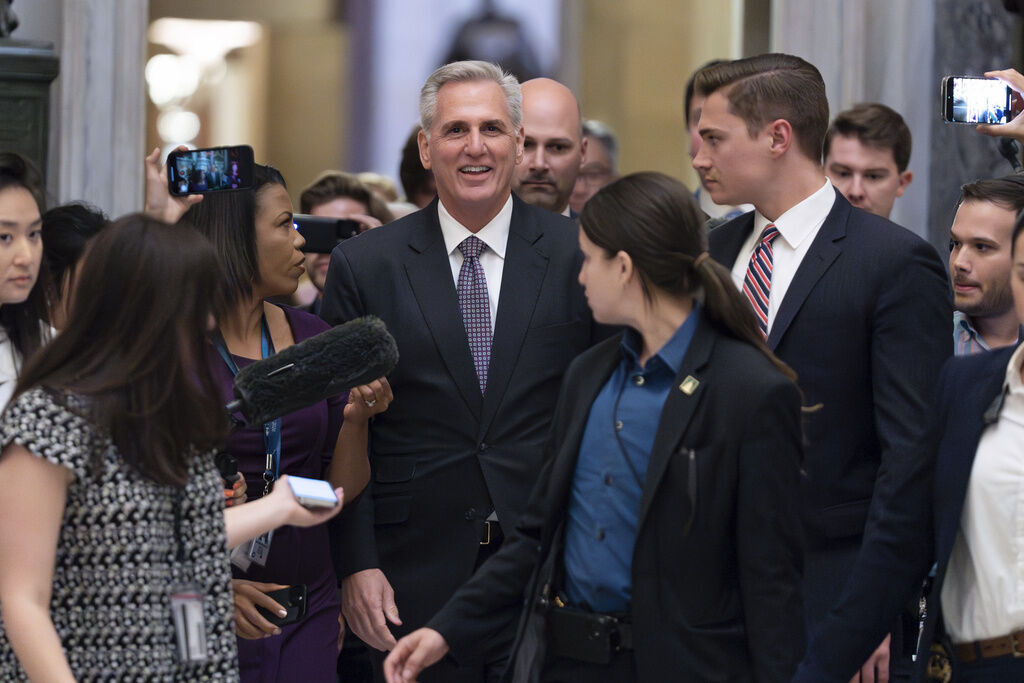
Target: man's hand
159 202
1015 127
876 669
249 623
368 603
365 222
414 653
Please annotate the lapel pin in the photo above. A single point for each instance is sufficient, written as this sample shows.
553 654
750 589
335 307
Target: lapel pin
689 385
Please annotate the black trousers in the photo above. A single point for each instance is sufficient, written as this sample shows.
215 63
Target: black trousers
492 663
621 669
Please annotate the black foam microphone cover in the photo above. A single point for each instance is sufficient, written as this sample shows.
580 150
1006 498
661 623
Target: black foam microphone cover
333 361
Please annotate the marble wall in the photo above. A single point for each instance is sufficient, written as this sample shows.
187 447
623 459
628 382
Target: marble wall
971 37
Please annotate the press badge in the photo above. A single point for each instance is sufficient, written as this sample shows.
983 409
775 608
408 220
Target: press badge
189 624
259 548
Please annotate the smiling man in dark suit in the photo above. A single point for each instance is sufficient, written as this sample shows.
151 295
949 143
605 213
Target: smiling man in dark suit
479 290
856 305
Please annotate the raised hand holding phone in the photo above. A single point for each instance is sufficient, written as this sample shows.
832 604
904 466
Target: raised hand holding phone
1015 128
159 202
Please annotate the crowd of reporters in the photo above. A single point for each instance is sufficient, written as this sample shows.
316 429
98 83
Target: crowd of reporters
671 495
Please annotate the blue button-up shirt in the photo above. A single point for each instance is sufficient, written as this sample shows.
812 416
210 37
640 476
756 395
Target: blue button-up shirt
604 502
966 339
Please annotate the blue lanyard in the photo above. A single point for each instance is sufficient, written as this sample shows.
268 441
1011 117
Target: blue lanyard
271 430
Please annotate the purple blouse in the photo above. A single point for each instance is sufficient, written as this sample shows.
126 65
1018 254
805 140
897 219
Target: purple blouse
297 555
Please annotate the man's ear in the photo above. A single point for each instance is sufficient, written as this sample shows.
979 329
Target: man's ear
780 136
583 151
905 179
421 141
520 139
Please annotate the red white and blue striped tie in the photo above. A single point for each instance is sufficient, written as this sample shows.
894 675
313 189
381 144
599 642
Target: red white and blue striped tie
758 282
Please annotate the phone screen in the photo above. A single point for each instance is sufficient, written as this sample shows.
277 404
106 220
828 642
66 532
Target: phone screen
976 100
313 492
198 171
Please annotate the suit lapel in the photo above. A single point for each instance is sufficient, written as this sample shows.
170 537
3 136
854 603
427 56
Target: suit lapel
599 369
822 253
521 279
956 457
725 241
430 277
678 411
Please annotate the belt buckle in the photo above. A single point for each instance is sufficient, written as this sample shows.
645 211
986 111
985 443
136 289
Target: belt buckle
1017 653
487 525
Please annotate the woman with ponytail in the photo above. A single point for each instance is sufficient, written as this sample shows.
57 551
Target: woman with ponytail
663 539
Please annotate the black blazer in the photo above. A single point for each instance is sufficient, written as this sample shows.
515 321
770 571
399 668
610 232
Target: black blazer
966 389
717 560
865 324
442 454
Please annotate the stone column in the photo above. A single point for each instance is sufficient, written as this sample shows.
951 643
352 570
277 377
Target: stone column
102 105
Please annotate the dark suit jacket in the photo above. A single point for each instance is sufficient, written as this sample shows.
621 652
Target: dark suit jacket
966 389
716 565
442 454
865 324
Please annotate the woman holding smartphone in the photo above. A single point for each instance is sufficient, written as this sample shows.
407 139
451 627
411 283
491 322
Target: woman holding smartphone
663 539
112 521
259 251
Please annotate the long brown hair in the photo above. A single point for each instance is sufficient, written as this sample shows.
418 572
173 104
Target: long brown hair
656 220
134 345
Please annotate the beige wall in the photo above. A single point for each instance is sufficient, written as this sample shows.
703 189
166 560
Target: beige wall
292 85
633 64
306 115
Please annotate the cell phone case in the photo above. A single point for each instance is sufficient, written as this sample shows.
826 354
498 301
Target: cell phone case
292 599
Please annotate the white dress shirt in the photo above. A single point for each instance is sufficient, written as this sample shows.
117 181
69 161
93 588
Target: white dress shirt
797 229
10 365
492 259
983 594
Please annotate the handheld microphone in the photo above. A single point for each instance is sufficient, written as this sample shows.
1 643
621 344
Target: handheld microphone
333 361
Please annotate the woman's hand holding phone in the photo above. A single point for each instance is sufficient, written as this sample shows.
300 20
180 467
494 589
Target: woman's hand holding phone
1015 127
159 202
249 623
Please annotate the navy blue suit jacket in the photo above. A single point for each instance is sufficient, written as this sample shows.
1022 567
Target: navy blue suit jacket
967 388
865 324
443 453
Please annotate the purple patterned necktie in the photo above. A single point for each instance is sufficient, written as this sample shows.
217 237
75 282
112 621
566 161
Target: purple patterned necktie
476 309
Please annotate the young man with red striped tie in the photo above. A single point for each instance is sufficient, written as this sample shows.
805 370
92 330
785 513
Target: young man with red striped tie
858 306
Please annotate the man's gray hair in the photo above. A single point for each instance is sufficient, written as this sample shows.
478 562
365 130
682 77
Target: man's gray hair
602 132
459 72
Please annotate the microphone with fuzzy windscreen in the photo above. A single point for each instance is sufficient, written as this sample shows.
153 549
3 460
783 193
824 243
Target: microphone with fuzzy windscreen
333 361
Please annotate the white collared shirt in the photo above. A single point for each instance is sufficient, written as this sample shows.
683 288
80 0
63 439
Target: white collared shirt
983 594
797 229
492 259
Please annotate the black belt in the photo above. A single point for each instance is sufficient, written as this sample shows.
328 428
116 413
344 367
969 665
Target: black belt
587 636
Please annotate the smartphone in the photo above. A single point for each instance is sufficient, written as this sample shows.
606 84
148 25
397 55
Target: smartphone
214 169
293 599
313 493
966 99
323 234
